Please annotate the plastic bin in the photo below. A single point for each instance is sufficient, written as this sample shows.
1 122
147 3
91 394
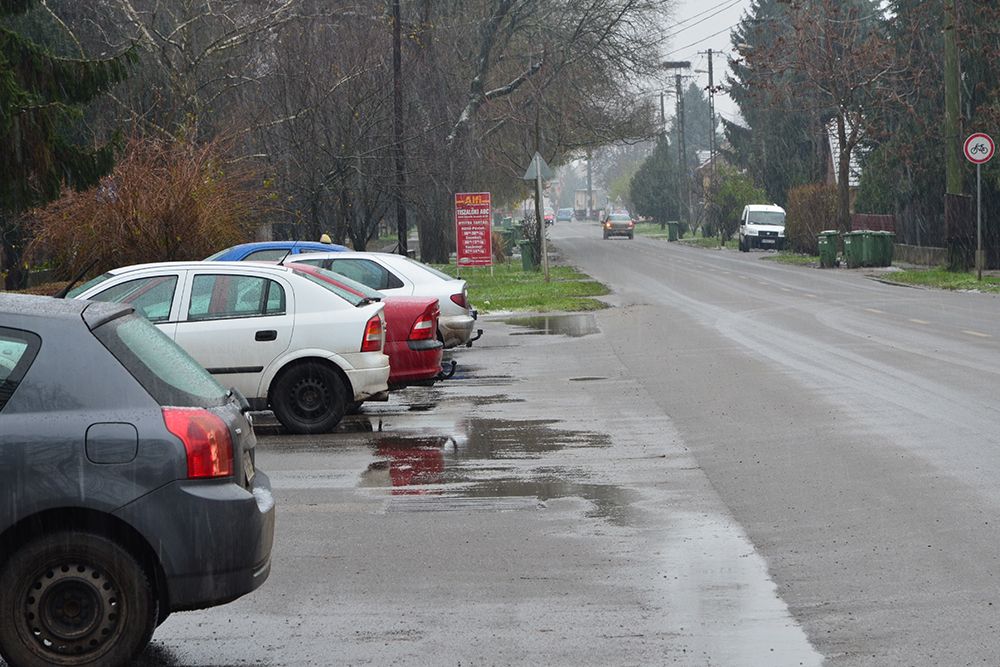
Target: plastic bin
883 243
529 260
673 231
852 249
827 241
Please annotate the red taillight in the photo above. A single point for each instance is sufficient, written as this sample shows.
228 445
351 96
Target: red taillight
206 441
372 342
425 326
460 299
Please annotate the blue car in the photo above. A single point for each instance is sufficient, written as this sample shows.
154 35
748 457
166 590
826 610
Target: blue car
271 250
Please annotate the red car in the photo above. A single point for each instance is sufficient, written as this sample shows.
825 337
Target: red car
411 328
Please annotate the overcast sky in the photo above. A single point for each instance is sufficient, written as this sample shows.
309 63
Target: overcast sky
700 25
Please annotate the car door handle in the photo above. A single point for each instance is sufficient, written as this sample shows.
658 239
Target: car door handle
266 334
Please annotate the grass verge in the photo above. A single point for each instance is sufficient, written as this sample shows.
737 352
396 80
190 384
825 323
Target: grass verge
652 230
941 279
711 242
510 288
787 257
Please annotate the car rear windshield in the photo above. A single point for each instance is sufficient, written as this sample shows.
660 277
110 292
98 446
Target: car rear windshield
364 290
346 295
766 218
87 285
430 269
619 217
166 371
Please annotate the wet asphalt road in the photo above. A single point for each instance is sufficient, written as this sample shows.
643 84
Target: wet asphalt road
741 463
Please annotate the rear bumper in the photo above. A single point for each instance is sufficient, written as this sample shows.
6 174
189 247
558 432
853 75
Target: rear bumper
413 362
456 329
369 374
213 539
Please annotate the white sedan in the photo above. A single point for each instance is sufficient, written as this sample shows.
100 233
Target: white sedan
398 275
283 339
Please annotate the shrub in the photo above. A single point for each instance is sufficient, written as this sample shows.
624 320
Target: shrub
163 201
811 210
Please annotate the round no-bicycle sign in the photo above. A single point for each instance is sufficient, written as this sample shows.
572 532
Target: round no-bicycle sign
979 148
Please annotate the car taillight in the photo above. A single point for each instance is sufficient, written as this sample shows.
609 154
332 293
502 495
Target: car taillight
460 299
206 441
424 326
372 342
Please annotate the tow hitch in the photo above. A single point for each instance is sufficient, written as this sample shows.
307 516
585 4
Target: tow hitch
444 375
479 334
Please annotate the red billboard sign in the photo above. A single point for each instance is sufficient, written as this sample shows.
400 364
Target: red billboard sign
473 236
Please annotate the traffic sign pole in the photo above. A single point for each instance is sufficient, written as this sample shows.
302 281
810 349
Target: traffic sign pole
979 222
979 149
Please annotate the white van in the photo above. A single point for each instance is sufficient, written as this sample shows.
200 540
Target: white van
762 226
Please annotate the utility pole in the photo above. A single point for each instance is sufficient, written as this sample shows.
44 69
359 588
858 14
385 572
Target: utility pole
681 152
952 101
397 117
711 133
590 185
682 180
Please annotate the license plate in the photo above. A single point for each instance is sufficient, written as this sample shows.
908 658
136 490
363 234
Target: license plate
248 467
767 240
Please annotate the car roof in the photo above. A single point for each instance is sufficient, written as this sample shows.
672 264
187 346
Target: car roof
765 207
285 245
198 264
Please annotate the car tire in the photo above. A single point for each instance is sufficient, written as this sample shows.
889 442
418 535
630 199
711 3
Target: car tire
354 407
75 598
630 236
309 397
605 236
743 244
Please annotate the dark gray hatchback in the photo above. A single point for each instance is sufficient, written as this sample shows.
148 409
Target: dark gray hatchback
127 484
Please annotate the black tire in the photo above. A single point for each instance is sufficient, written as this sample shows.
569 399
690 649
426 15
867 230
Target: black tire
743 245
308 398
605 236
630 237
74 598
354 407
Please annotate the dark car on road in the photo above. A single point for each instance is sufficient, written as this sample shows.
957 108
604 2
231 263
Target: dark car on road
128 488
618 223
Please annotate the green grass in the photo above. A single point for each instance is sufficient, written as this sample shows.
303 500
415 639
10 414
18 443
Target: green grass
512 289
788 257
711 242
651 229
941 279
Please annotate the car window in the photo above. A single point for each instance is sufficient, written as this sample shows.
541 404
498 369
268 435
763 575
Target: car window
17 351
166 371
766 218
366 272
152 296
219 296
266 255
93 282
429 269
346 295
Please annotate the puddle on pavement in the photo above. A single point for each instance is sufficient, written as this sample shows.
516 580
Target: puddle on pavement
487 460
573 324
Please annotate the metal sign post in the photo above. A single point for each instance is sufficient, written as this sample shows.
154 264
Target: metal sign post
537 171
979 149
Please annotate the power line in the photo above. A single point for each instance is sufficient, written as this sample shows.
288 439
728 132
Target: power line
701 13
726 8
704 39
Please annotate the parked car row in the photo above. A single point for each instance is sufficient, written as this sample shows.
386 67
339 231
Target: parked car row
311 339
150 500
